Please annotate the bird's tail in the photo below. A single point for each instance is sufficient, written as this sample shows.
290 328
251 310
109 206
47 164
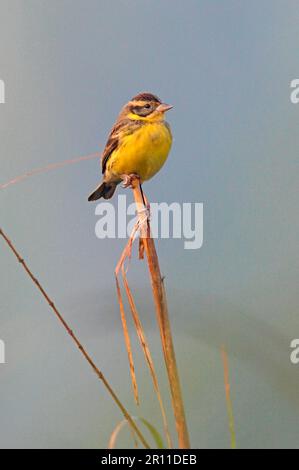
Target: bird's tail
105 190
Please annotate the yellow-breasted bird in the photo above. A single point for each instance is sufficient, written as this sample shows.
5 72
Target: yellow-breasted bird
138 144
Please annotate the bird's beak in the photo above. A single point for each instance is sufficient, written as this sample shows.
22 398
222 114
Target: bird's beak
163 107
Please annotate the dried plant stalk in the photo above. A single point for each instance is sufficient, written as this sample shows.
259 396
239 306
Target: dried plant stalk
77 342
127 342
115 433
162 317
147 354
229 406
50 167
126 254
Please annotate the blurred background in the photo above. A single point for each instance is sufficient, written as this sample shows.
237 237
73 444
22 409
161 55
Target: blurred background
68 67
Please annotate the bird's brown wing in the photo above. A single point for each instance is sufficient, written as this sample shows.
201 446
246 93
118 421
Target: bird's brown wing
113 140
121 127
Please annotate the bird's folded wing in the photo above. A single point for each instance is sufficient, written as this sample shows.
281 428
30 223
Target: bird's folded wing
119 130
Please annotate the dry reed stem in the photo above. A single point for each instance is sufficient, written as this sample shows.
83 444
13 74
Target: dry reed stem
51 166
126 254
163 319
147 354
76 340
229 406
115 433
127 342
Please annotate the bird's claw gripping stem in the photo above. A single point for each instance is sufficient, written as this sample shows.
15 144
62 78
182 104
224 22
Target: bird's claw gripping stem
128 180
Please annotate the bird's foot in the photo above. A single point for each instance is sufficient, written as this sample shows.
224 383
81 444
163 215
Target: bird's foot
128 180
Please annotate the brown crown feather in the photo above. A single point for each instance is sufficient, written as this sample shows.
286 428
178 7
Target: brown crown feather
146 97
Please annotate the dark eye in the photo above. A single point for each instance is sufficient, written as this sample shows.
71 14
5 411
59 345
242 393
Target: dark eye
147 106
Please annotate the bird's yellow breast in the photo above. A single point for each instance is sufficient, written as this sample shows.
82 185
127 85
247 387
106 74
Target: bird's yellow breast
143 152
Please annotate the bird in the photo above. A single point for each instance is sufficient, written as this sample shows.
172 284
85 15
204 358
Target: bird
137 146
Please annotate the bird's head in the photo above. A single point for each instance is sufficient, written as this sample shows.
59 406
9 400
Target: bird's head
146 107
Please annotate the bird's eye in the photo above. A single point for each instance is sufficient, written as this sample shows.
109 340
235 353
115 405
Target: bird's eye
147 106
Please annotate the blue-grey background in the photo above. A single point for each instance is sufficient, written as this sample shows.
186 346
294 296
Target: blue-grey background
227 65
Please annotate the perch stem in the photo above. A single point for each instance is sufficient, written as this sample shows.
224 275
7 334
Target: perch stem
162 318
229 405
